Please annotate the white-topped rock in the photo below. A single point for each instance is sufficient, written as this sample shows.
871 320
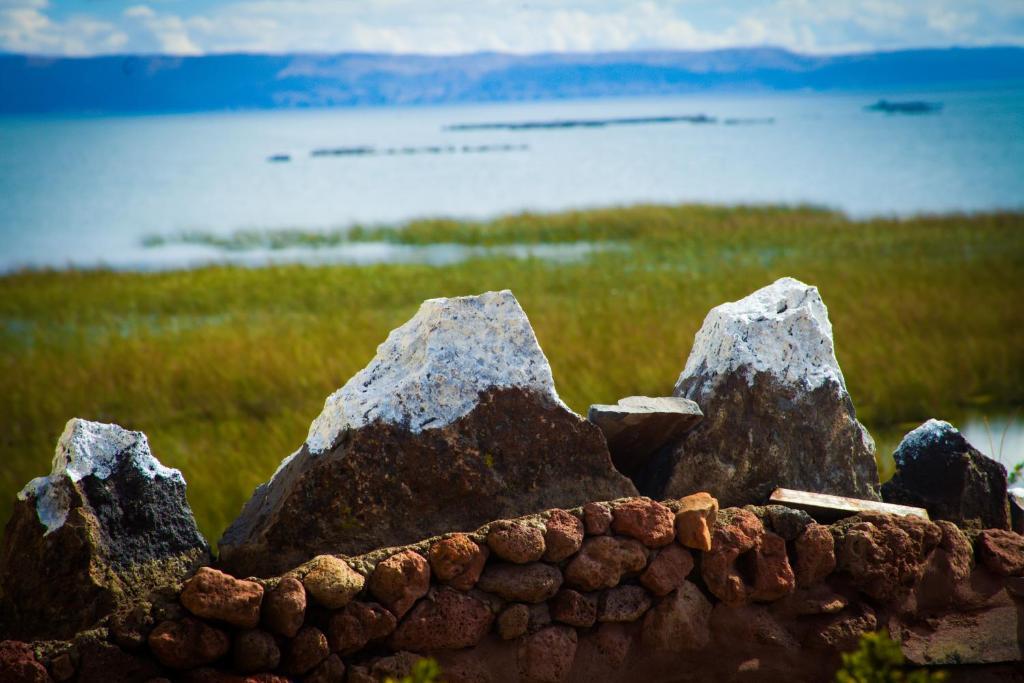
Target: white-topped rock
90 449
776 410
430 371
782 329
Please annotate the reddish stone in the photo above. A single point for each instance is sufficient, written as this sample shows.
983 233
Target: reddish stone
884 555
447 619
212 594
1001 551
305 651
547 655
603 561
597 519
331 670
646 520
815 555
667 571
18 664
563 536
574 609
330 581
843 631
400 581
513 621
765 563
623 604
457 561
357 625
612 643
284 607
516 541
773 577
695 520
680 622
521 582
188 643
254 651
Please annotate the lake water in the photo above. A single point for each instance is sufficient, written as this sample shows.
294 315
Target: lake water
86 190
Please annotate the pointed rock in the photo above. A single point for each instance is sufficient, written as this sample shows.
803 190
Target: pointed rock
937 469
454 423
777 413
106 527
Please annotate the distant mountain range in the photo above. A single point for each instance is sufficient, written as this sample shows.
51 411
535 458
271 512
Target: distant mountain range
33 84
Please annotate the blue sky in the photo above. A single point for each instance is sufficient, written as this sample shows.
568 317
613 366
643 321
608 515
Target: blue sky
87 27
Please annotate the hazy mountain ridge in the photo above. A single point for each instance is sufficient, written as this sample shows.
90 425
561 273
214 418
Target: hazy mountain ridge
32 84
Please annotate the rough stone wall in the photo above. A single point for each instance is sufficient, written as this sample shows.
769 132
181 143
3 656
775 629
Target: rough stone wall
625 590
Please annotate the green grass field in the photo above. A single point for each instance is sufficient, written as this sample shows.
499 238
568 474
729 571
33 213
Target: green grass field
224 368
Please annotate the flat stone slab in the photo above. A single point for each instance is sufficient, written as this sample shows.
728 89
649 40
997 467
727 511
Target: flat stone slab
638 426
827 508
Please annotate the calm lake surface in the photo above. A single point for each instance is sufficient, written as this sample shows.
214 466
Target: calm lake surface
84 191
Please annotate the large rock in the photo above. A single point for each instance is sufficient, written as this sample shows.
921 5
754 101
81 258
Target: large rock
109 525
777 413
454 423
937 469
638 426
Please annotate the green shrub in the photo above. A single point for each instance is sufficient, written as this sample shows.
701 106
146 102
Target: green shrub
878 659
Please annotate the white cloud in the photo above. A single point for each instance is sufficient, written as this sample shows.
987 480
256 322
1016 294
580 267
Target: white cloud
457 26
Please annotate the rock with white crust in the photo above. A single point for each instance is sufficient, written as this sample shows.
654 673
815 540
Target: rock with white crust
108 525
455 422
777 413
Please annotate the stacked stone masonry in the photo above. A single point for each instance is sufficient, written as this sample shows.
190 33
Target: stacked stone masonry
625 590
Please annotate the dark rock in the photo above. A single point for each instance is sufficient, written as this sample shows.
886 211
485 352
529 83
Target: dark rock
211 594
456 422
254 650
188 644
18 664
109 526
357 625
786 522
667 570
680 622
514 621
446 620
305 651
777 412
521 582
284 607
62 668
937 469
331 670
100 662
597 519
639 426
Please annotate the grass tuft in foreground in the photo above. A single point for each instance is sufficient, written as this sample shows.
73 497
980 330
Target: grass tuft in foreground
224 368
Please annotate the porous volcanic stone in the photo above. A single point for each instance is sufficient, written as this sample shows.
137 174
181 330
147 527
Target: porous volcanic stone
108 526
603 561
514 621
777 413
18 664
547 655
454 423
357 625
331 581
668 569
815 555
255 650
597 519
937 469
646 520
563 535
284 607
331 670
515 541
763 573
400 580
1001 551
623 604
574 609
305 651
211 594
534 582
680 622
639 426
446 620
457 561
188 643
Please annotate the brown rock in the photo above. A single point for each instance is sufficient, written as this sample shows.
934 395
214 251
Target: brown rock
513 621
818 599
399 581
331 581
773 577
284 607
1001 551
360 623
696 515
884 555
188 643
749 626
457 561
62 668
130 628
446 620
574 609
547 655
255 651
18 664
563 536
331 670
612 643
212 594
305 651
603 561
623 604
646 520
99 658
667 570
521 583
680 622
815 555
540 616
516 541
842 632
765 573
597 519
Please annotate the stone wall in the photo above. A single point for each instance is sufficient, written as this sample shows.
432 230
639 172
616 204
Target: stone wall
625 590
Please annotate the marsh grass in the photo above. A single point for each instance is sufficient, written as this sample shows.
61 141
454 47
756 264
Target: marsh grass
224 367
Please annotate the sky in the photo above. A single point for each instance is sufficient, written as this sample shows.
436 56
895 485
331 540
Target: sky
193 27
